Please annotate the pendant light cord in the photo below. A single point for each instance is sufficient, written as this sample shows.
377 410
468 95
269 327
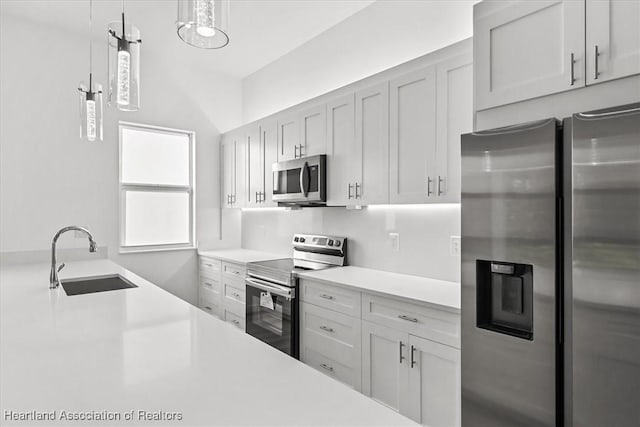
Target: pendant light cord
90 45
124 37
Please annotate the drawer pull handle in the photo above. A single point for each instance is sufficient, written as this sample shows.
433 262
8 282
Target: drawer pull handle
407 318
208 308
326 367
326 328
210 285
325 296
235 322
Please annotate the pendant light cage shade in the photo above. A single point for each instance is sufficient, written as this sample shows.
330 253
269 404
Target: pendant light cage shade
124 66
91 111
204 23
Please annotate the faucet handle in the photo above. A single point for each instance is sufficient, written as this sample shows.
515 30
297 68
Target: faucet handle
61 267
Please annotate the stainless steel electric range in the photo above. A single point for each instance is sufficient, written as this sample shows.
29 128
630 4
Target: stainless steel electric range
272 289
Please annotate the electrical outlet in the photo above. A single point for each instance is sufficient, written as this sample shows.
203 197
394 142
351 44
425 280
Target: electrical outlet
394 240
455 246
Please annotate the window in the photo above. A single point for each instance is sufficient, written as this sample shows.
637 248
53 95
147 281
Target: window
156 188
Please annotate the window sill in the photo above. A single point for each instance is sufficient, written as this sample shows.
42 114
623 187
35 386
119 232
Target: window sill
125 251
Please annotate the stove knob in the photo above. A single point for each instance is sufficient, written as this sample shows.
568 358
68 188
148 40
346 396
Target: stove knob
295 239
337 243
302 240
330 243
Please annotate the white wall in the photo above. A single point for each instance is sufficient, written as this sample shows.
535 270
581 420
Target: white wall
49 178
425 233
382 35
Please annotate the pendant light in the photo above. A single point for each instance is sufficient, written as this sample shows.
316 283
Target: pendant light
203 23
90 98
124 65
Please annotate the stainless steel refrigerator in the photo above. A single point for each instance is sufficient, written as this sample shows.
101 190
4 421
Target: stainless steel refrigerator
551 272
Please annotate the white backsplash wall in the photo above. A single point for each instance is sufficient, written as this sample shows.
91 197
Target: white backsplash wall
425 235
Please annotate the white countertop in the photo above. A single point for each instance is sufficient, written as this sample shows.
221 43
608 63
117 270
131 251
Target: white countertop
241 256
144 349
432 291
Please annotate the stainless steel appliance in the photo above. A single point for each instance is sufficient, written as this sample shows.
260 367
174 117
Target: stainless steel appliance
551 272
300 182
272 289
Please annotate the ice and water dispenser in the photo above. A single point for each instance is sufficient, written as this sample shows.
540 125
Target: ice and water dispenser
505 298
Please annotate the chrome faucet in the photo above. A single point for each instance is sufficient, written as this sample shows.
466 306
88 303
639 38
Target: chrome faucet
54 281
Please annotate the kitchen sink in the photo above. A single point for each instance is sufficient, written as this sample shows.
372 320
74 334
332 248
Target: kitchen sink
92 285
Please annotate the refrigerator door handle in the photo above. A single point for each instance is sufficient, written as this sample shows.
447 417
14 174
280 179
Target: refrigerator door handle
608 113
513 128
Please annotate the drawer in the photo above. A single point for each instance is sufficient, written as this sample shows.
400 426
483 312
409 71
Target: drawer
233 293
208 307
210 267
234 319
233 270
344 374
436 325
209 295
332 334
209 284
332 297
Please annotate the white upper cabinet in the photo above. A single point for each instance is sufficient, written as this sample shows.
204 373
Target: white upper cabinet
256 162
454 118
234 170
288 137
372 145
526 49
412 157
269 139
313 131
343 165
612 39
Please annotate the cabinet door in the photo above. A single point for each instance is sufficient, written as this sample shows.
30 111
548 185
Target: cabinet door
524 50
385 366
372 143
269 137
288 137
434 383
241 179
454 117
613 28
228 156
313 131
255 160
344 165
413 137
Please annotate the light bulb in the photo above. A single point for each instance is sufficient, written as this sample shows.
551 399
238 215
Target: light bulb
205 18
124 76
91 120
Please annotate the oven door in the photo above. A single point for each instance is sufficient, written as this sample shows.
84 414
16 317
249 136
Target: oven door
272 314
300 180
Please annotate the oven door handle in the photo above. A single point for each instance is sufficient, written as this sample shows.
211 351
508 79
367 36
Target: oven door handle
274 289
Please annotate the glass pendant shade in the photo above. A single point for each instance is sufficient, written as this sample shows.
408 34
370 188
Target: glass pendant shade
203 23
124 66
91 111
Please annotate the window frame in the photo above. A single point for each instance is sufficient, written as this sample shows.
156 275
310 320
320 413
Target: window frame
123 188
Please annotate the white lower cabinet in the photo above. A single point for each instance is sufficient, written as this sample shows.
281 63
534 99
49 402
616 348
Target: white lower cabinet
399 352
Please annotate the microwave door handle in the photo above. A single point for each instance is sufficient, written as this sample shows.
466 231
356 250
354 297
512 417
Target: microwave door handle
304 179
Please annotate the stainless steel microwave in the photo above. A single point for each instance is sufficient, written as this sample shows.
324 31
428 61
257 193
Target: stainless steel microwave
300 182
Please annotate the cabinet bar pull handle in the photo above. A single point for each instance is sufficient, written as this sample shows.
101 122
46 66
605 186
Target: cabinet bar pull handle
295 152
407 318
350 187
413 362
327 367
572 80
358 186
301 146
401 356
440 182
207 307
597 54
325 296
326 328
429 180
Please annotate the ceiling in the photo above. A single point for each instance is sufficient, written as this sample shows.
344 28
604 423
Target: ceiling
260 31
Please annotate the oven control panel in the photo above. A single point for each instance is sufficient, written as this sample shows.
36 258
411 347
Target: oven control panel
314 241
